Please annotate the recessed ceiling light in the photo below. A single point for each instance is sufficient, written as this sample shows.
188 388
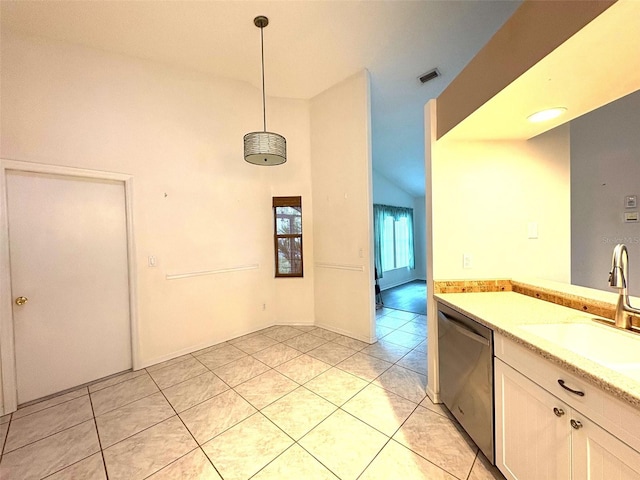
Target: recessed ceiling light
547 114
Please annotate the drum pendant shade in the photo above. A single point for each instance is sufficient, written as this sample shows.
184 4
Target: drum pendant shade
264 148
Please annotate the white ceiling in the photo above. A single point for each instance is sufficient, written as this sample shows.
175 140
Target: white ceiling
309 46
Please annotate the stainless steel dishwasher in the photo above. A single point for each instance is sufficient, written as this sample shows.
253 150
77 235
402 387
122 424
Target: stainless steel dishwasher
465 353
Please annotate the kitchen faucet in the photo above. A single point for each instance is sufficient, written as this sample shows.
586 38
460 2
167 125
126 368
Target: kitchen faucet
618 279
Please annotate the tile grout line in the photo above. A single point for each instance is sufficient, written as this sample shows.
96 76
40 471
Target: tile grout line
278 342
99 381
374 457
277 456
369 382
198 446
473 464
279 428
236 392
297 442
410 449
6 437
177 459
46 408
72 464
127 403
95 423
338 407
45 437
140 431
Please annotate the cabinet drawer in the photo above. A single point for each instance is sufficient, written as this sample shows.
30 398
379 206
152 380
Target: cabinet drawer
620 419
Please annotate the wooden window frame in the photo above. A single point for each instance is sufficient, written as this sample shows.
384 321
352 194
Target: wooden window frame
295 202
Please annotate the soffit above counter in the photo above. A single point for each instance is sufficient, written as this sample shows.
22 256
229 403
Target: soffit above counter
579 55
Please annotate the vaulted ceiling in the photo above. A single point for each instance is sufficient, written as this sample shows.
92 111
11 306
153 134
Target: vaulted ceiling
309 46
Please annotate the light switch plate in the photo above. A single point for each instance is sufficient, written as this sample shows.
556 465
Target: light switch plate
532 230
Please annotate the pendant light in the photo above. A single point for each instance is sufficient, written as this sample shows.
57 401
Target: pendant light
264 148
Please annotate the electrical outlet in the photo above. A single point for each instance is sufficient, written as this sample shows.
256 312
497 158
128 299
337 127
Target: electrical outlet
152 261
467 260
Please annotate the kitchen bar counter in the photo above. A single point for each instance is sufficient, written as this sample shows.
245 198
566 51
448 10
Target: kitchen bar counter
505 311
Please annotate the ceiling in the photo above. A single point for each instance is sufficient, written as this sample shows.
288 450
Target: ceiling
597 65
310 45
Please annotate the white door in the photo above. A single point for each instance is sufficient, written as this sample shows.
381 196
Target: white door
68 257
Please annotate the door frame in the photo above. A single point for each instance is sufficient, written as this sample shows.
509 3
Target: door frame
9 395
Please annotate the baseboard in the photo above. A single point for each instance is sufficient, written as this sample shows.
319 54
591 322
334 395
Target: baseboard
397 284
435 397
341 331
195 348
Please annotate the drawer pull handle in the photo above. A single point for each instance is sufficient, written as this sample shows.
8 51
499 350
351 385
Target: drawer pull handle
558 411
576 424
575 392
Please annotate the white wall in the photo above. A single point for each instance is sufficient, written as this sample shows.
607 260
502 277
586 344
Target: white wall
430 129
484 196
605 167
480 198
342 208
197 204
386 192
420 234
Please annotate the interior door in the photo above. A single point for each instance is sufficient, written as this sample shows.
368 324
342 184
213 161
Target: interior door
69 281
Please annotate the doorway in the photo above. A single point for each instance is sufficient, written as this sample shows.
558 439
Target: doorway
69 281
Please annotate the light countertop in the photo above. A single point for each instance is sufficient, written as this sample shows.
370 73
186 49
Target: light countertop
504 312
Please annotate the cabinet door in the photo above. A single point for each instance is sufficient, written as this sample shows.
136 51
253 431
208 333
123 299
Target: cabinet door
532 442
598 455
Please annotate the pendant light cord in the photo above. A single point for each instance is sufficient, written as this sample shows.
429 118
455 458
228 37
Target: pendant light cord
264 107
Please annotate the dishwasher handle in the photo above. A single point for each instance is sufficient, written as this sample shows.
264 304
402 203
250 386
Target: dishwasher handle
465 331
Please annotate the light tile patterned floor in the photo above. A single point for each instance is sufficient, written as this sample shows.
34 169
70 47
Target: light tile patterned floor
283 403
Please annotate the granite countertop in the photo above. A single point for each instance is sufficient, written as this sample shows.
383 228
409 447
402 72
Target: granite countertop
505 312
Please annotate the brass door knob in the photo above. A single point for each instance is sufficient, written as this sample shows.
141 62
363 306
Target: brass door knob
21 300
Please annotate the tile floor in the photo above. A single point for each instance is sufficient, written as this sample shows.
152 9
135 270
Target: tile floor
282 403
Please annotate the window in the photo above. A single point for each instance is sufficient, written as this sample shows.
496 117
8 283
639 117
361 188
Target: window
287 212
393 231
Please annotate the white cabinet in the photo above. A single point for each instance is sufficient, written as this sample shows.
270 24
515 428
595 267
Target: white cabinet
531 441
598 455
541 436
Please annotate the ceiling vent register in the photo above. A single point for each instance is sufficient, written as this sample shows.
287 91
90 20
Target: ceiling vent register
430 75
